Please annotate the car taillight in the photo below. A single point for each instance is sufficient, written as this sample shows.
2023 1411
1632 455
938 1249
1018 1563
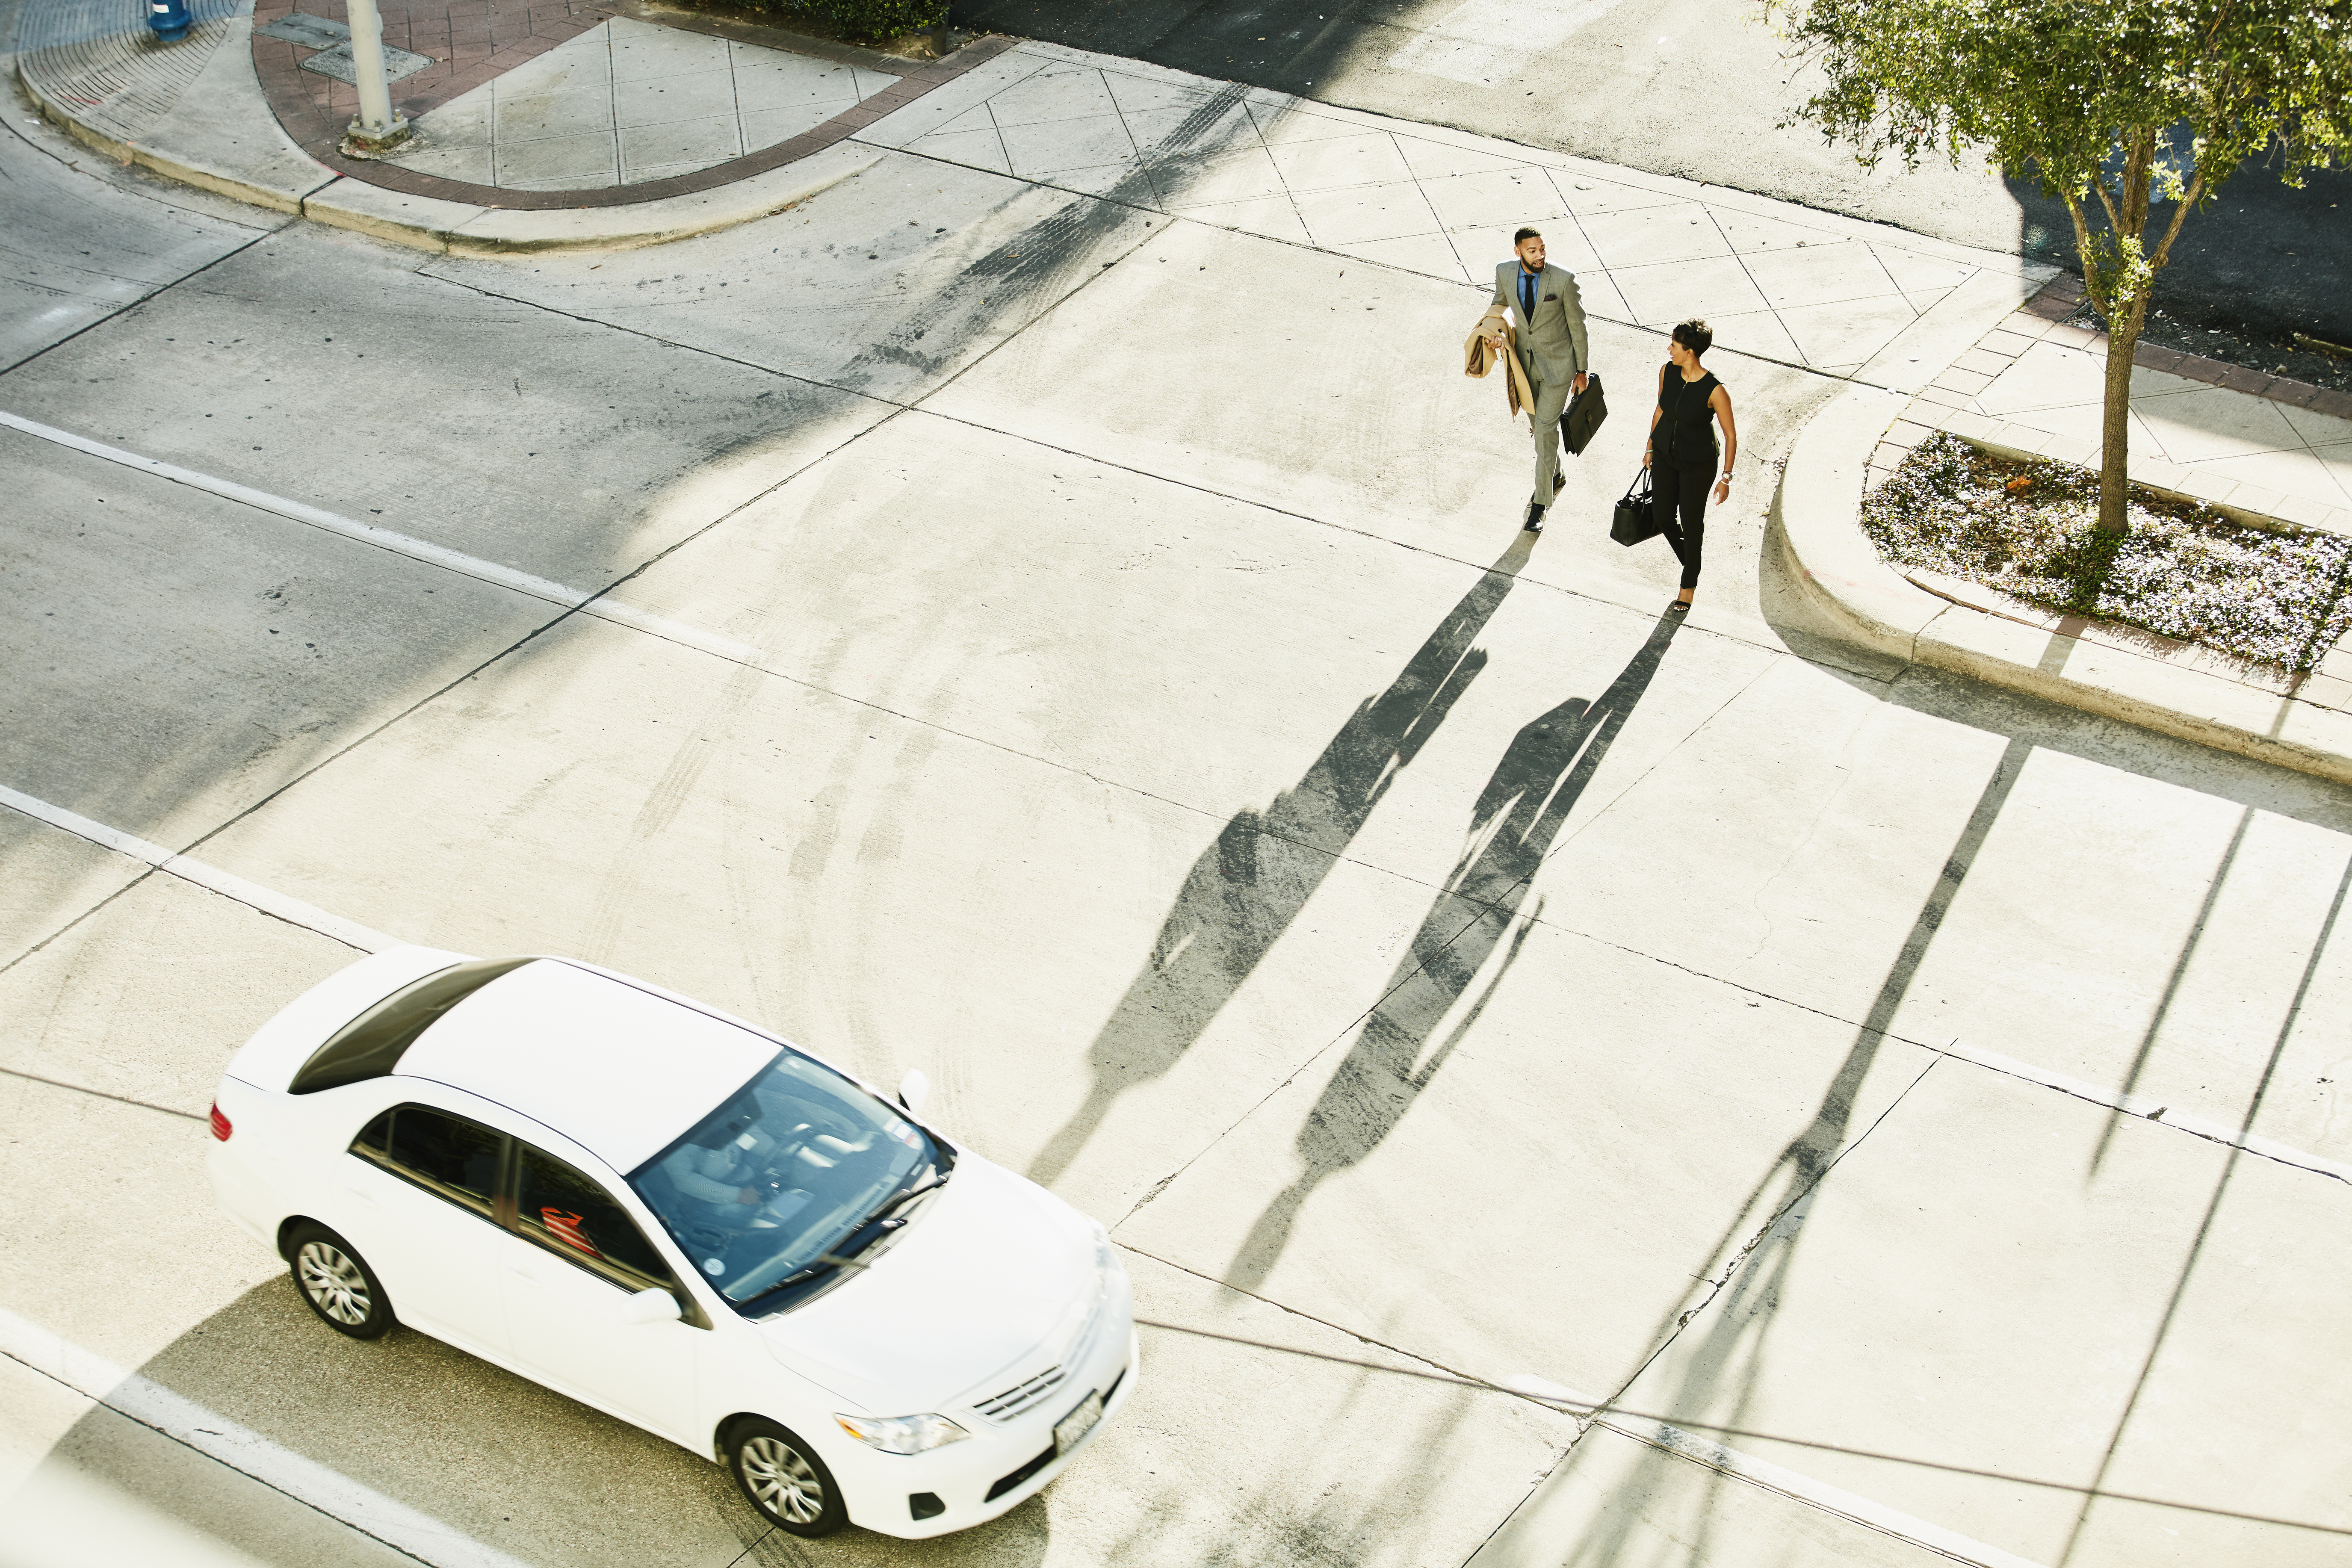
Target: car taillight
221 1128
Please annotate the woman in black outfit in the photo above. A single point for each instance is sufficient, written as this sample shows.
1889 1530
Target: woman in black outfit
1681 457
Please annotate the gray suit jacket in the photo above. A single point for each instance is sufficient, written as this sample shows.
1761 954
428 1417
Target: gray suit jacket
1554 341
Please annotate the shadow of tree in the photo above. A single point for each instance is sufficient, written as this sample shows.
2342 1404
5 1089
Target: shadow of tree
1517 814
1731 1350
1251 882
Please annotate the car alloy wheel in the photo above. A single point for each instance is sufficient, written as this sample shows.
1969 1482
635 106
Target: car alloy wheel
334 1283
338 1285
785 1481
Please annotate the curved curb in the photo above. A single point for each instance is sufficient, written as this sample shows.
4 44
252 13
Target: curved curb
266 169
1816 510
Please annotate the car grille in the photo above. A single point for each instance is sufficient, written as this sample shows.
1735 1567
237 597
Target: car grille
1021 1396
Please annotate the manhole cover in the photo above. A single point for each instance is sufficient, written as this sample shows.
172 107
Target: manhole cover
337 63
310 32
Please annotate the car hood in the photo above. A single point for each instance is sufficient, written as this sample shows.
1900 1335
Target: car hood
997 1274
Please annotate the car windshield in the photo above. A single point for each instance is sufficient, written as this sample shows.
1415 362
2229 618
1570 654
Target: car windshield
763 1192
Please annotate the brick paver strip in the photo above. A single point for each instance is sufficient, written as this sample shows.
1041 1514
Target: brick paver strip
472 41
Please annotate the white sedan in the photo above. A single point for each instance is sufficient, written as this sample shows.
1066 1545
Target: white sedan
682 1221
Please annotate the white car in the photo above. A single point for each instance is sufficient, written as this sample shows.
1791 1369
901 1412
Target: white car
683 1221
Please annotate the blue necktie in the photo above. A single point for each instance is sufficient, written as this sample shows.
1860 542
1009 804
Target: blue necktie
1527 296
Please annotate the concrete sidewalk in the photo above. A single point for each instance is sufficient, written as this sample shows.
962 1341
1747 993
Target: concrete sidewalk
2271 453
2222 434
605 124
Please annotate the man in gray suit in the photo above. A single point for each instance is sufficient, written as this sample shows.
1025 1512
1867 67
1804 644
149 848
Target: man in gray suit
1551 347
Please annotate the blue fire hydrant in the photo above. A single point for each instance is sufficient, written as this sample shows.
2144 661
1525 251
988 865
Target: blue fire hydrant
170 20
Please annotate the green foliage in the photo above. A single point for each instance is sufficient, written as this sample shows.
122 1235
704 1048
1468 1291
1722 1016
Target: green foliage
2120 102
2118 99
872 21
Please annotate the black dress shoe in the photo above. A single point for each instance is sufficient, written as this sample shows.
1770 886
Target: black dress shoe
1535 516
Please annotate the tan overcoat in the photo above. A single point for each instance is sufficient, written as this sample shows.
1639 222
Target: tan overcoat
1479 356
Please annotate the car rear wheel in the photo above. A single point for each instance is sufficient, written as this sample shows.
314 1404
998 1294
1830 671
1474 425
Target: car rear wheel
785 1479
338 1283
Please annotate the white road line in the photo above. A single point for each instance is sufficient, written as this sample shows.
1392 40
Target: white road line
397 1525
385 539
172 863
2148 1107
367 939
1770 1476
1816 1494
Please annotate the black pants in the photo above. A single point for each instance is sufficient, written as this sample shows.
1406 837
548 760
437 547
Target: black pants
1681 500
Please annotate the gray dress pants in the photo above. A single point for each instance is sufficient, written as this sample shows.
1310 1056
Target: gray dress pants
1551 400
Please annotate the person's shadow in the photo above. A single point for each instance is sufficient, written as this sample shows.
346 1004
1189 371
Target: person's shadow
1517 814
1247 885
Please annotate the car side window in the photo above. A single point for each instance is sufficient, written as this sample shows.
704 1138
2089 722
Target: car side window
575 1218
440 1152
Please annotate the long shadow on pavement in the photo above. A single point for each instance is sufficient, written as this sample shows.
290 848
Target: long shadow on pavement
1251 882
1730 1352
1534 789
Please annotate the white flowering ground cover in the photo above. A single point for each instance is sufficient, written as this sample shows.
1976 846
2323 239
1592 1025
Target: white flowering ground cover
2180 568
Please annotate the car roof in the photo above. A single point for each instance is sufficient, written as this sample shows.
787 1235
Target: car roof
620 1070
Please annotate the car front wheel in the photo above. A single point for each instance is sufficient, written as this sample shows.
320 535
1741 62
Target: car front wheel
338 1284
785 1479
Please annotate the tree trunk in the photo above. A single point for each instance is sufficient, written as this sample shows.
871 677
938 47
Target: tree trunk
2114 422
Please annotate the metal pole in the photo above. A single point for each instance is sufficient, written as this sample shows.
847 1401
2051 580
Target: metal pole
376 128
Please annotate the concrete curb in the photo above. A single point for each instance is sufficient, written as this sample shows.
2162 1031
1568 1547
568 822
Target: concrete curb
268 169
1816 514
424 223
187 144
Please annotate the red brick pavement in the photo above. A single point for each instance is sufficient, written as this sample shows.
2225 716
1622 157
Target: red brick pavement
471 41
468 41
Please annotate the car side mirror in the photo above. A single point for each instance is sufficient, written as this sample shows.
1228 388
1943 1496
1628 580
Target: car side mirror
913 1090
647 1307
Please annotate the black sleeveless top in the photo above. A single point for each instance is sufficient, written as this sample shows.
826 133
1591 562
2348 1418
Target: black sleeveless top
1685 436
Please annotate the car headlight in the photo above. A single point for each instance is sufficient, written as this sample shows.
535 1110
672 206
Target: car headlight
903 1434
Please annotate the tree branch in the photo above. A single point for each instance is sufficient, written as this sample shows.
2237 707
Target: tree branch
2180 215
2092 283
2114 219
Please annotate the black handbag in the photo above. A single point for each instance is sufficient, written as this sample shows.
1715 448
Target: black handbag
1582 416
1637 514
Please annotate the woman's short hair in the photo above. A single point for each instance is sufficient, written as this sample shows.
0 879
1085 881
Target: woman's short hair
1523 236
1695 335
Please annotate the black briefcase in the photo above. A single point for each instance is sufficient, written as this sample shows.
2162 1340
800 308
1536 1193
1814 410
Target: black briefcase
1637 515
1582 416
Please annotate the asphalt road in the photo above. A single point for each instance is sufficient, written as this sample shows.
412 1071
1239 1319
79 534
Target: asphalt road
1698 88
1071 650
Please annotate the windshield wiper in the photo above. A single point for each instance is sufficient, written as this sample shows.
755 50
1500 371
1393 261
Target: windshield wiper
831 1258
882 1217
899 1200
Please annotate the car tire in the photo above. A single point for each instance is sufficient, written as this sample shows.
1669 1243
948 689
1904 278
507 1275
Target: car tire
785 1479
337 1283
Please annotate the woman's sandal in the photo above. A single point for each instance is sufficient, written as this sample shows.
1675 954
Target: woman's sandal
1678 608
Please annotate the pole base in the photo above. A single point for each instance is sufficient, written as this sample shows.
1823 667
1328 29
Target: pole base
358 142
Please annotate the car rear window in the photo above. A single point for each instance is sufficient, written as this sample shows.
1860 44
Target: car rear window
370 1045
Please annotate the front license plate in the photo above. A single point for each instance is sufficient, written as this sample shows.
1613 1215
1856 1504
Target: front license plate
1078 1424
